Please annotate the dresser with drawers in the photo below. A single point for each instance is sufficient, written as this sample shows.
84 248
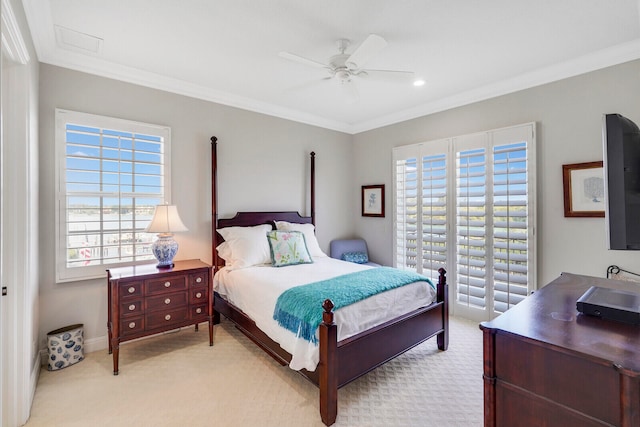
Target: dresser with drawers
145 300
546 364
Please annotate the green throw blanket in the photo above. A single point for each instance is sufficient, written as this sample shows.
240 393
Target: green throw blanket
299 309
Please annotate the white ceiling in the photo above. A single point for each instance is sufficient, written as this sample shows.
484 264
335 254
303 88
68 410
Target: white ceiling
226 51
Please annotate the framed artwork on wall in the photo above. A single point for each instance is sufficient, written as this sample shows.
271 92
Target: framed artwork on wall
583 185
373 200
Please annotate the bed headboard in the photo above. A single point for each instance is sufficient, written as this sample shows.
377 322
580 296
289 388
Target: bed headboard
247 219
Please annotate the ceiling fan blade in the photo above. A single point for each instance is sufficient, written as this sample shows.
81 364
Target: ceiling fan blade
302 60
372 45
391 75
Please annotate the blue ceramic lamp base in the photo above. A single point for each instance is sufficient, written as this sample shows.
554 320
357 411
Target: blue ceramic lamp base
164 249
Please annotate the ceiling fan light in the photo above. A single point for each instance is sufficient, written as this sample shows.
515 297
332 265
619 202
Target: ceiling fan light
419 82
343 75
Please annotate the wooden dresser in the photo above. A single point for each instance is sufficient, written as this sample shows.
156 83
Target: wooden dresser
546 364
145 300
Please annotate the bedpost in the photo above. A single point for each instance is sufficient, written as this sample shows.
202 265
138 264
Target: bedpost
443 296
214 202
313 188
327 367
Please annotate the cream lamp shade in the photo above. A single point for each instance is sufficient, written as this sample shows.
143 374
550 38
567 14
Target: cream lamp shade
165 222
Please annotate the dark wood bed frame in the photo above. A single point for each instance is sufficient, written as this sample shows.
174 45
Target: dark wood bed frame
340 361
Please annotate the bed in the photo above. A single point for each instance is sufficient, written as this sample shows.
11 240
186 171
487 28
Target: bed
340 357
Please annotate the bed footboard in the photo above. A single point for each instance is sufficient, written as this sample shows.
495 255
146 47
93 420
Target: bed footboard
344 361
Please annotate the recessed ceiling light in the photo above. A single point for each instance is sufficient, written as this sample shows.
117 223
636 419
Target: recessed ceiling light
419 82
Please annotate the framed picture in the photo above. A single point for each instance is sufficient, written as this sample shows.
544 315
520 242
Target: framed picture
373 200
583 185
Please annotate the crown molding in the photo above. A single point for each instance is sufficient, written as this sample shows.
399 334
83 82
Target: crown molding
136 76
39 19
605 58
602 59
12 41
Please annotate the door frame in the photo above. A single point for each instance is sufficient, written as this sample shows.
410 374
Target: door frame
20 361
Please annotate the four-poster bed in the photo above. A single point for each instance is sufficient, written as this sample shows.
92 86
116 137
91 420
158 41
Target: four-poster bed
340 361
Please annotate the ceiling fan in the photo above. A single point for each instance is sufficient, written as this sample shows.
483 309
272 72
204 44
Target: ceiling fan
345 67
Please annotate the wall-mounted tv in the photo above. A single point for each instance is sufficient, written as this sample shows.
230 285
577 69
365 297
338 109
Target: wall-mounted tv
621 140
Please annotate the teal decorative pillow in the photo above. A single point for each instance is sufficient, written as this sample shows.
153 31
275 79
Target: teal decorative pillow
288 248
357 257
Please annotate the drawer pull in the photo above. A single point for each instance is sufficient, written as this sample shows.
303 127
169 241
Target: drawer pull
132 307
199 295
198 310
199 280
132 325
131 290
167 284
167 317
167 301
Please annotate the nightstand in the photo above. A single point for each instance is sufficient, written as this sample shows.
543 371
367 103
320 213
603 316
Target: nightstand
146 300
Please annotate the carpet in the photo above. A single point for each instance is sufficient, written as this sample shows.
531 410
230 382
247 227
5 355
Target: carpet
176 379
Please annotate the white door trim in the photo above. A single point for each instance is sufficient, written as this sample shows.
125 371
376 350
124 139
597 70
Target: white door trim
18 271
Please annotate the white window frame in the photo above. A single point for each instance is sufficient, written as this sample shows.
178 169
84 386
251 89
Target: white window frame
450 147
96 268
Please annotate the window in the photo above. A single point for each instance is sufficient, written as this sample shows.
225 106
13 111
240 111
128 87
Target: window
466 204
111 175
421 228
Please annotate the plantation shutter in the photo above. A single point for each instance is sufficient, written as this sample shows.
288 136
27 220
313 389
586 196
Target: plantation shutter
512 233
420 221
112 175
434 214
406 212
467 204
471 221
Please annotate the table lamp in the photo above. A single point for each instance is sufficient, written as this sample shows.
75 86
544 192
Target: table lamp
165 222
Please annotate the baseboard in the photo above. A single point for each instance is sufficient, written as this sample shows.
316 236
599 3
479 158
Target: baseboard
35 375
96 344
102 343
33 383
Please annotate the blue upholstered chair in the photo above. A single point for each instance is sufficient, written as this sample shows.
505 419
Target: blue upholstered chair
353 250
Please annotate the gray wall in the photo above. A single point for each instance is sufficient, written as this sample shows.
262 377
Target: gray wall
568 114
263 165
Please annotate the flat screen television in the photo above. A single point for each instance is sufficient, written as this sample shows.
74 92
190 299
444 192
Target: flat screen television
621 140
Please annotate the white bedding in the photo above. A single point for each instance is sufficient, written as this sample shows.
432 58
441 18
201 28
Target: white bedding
255 291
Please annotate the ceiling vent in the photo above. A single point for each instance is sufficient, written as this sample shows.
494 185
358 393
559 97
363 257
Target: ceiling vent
77 41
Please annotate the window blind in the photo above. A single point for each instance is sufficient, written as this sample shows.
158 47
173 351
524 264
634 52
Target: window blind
510 237
113 174
473 216
406 213
471 206
434 214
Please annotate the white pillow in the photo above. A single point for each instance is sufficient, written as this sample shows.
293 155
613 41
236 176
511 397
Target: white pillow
245 246
224 252
309 235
